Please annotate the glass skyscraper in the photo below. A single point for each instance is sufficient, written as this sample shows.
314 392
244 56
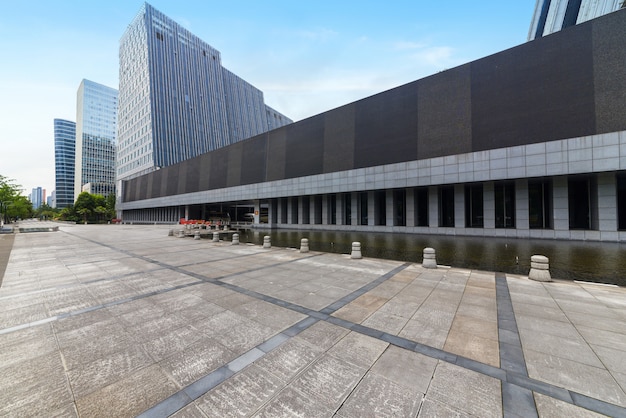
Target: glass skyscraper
176 100
96 132
553 15
64 160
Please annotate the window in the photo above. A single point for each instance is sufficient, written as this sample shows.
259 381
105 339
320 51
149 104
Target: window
446 206
380 207
363 208
399 207
582 202
332 209
504 194
421 206
347 208
474 206
540 204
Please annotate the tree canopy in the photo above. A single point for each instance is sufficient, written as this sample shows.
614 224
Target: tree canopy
12 204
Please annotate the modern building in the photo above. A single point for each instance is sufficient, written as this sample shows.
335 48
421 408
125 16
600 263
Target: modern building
176 99
96 132
37 197
528 142
64 162
553 15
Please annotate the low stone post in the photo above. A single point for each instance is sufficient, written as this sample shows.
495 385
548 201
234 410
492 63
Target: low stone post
356 250
539 268
430 258
235 240
304 245
225 228
171 233
196 234
216 237
181 233
266 242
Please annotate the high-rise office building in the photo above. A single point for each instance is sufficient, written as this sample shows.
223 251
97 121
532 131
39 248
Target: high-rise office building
96 131
553 15
37 197
64 160
176 100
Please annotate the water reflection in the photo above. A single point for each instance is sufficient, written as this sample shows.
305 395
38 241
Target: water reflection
570 260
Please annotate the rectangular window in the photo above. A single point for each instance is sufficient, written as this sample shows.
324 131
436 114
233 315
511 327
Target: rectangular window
421 206
446 206
504 194
294 210
399 207
306 210
318 210
540 204
332 209
582 202
474 217
363 208
621 202
380 207
283 210
347 208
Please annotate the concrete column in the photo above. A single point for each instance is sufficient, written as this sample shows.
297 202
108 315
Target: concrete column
371 208
354 198
607 206
390 208
410 207
312 213
289 210
560 207
489 205
186 212
257 211
271 204
433 207
325 219
522 218
459 206
339 208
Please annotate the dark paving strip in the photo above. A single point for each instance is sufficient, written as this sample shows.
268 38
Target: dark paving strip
6 245
515 399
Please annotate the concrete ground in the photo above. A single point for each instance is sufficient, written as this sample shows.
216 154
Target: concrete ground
123 320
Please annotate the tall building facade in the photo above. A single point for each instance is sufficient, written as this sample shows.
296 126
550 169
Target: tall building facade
64 161
176 99
553 15
96 132
37 197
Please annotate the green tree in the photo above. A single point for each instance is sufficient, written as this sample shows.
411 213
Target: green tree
85 205
46 212
12 203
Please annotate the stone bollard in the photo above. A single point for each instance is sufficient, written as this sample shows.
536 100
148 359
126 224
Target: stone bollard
430 258
171 233
196 234
266 242
225 227
356 250
181 233
235 240
539 268
216 237
304 245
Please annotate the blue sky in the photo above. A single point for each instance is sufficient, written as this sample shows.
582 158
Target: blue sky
306 56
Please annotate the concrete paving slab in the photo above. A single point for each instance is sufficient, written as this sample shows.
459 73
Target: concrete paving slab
153 323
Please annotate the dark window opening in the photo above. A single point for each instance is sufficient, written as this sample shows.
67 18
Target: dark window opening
318 210
332 209
306 210
446 206
283 211
294 210
582 194
399 207
621 202
540 204
421 206
380 207
347 208
504 194
159 36
363 208
474 217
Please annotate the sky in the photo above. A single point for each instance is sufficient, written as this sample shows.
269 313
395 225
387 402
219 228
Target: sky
306 56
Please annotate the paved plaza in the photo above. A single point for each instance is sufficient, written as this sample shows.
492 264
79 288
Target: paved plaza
124 320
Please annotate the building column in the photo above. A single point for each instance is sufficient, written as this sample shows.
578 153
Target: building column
522 217
300 200
257 211
339 208
371 208
271 204
433 207
186 212
489 206
325 219
354 199
410 207
560 207
607 206
312 214
459 206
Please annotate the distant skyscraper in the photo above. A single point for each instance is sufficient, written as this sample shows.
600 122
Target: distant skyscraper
176 99
38 197
64 160
553 15
96 130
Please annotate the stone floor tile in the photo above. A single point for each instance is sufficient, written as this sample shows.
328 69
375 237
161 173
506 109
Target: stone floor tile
359 350
293 403
465 391
289 359
610 339
130 396
190 411
573 348
405 368
550 407
169 342
323 335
